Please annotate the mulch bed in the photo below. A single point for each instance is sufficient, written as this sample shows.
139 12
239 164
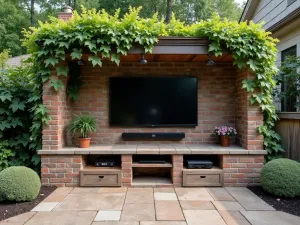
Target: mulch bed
288 205
10 209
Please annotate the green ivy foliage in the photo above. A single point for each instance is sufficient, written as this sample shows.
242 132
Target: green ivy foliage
22 115
109 36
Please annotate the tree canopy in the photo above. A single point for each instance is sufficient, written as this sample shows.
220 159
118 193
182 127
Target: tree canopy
16 15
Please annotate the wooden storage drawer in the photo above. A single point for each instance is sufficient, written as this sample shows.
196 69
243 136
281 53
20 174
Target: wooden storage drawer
100 178
203 178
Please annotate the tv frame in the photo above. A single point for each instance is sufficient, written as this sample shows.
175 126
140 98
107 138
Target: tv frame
150 125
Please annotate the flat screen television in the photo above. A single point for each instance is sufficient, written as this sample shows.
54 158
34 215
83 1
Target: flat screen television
150 101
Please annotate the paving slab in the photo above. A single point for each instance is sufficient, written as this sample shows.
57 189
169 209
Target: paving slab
196 205
233 218
168 210
116 223
164 190
138 212
104 215
162 223
58 195
220 194
83 190
165 196
62 218
203 217
19 219
45 207
227 205
270 218
6 223
140 195
200 194
103 201
248 199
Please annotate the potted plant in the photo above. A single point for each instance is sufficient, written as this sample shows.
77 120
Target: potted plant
226 133
83 124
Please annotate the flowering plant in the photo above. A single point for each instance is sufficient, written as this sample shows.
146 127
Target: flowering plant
225 131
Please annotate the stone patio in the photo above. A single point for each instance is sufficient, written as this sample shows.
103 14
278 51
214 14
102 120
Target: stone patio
153 206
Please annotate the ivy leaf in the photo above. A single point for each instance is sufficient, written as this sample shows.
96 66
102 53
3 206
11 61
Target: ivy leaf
49 41
4 125
51 61
57 84
16 122
5 96
76 54
63 44
42 52
248 85
36 159
115 58
105 48
95 60
16 104
91 45
62 70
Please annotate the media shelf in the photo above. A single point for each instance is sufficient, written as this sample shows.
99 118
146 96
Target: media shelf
147 165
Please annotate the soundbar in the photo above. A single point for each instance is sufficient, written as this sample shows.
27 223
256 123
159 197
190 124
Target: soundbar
168 135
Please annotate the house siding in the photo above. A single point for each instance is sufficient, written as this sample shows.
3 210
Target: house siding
272 11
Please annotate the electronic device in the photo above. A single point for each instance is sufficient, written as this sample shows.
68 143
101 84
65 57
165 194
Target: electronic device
105 163
167 135
198 164
153 101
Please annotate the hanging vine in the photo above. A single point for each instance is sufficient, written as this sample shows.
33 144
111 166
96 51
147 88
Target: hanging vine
108 36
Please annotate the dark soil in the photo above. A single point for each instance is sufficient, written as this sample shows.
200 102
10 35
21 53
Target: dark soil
10 209
288 205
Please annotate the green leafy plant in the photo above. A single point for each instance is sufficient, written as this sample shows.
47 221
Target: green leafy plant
105 36
281 177
19 183
22 115
83 124
6 155
289 76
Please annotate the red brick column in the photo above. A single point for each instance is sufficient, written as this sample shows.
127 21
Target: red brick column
242 170
55 135
61 170
126 170
177 161
248 117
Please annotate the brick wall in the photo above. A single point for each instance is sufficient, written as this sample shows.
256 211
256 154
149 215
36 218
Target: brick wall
216 97
242 170
61 170
248 117
55 135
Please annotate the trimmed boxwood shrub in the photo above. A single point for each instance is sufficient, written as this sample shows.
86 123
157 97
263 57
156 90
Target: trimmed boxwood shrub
19 183
281 177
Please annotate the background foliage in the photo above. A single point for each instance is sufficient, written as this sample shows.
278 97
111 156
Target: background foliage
21 116
109 36
289 77
18 14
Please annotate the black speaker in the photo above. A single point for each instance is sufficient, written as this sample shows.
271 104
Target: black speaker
155 135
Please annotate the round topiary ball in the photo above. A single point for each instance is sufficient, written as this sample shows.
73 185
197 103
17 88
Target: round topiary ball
281 177
19 183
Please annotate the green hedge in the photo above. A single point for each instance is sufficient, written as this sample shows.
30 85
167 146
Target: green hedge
281 177
19 183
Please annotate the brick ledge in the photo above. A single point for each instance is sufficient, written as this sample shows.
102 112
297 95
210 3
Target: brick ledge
154 149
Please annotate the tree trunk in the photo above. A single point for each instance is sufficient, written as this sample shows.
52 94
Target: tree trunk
32 13
169 11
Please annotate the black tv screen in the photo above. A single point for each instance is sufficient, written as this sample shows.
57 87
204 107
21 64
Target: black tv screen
163 101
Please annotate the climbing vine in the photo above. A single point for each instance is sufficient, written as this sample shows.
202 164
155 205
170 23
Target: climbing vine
109 36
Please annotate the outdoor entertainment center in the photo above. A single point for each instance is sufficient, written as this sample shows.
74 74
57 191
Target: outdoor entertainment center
150 141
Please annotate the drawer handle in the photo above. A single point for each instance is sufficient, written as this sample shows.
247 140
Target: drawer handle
101 177
202 176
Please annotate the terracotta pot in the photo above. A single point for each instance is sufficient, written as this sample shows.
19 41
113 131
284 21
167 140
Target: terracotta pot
225 141
84 142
